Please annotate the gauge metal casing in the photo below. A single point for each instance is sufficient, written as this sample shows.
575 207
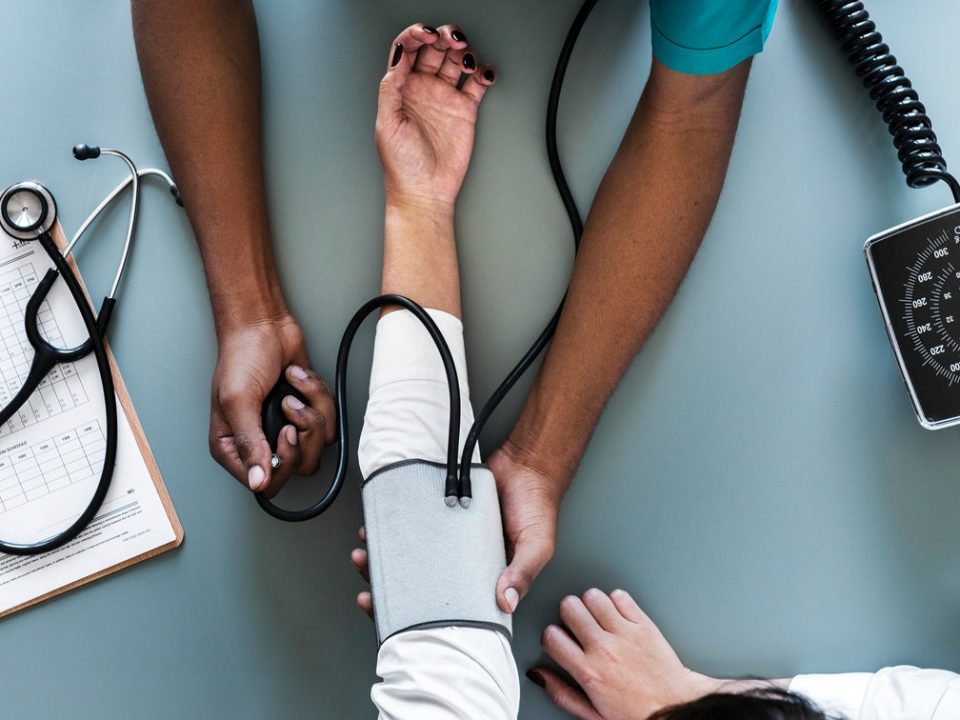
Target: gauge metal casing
915 269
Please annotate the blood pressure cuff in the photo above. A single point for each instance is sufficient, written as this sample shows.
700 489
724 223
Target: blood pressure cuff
432 565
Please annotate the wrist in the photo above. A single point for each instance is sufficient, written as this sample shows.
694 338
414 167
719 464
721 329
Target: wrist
413 207
554 482
545 439
246 305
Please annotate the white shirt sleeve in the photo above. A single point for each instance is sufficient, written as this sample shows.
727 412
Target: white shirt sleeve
441 673
893 693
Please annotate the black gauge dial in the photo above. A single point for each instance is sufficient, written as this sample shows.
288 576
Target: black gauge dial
915 269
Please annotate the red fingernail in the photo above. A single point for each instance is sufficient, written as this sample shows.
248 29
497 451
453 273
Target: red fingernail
469 62
458 36
536 678
489 75
397 54
429 30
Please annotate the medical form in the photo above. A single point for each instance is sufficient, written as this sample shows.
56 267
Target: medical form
52 450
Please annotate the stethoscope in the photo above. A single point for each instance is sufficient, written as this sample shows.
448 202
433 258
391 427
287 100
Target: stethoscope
28 212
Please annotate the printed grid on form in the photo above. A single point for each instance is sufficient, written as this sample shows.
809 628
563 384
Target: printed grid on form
61 389
30 472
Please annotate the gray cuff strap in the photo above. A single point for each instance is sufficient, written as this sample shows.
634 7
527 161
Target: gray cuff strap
432 565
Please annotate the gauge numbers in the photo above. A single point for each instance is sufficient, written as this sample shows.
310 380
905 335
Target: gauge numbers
915 269
931 306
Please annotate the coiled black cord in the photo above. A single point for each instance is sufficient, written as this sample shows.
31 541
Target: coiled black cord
576 225
895 97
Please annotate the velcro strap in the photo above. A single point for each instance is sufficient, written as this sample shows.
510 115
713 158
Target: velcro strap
432 565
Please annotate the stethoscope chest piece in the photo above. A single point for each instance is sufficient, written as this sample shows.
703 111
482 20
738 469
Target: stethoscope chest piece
27 210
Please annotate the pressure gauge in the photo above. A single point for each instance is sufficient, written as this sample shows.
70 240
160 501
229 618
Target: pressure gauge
27 210
915 269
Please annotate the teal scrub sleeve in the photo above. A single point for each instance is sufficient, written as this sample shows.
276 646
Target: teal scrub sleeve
702 37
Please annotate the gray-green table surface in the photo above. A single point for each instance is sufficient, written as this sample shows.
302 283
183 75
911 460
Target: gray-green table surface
758 481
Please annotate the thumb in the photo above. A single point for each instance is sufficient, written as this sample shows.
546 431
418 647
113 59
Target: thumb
532 550
254 452
563 695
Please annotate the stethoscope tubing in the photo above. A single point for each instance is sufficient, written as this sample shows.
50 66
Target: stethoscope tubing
340 400
46 356
110 406
458 485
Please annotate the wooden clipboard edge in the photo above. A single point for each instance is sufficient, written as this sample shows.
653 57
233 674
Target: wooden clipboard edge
137 429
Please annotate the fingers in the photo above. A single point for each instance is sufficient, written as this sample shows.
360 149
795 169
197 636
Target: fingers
603 610
563 649
361 562
477 83
531 553
245 452
288 450
403 53
403 49
365 603
314 422
563 694
430 57
579 621
628 607
456 64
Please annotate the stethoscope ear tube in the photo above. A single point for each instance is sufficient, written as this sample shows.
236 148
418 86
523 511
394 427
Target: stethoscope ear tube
340 399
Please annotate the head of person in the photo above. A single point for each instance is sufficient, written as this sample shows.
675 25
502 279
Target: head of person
760 704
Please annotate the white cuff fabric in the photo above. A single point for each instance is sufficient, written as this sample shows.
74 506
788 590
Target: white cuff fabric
408 412
447 674
840 694
894 693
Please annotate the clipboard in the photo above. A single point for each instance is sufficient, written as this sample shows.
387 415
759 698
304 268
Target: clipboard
146 455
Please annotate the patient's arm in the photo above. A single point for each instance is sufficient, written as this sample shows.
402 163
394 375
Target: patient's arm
425 129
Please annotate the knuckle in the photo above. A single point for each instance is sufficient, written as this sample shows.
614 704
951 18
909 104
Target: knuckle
590 679
546 637
232 399
246 445
564 700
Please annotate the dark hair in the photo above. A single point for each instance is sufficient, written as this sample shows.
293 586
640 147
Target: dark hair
769 703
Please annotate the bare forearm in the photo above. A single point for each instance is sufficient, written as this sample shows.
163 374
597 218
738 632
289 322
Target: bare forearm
420 255
200 62
647 221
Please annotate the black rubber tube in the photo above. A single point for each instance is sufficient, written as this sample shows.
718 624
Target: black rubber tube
340 399
576 225
110 406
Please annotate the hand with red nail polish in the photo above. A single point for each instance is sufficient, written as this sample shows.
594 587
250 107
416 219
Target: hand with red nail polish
427 115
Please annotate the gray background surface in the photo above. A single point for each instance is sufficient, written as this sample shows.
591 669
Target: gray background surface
759 481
